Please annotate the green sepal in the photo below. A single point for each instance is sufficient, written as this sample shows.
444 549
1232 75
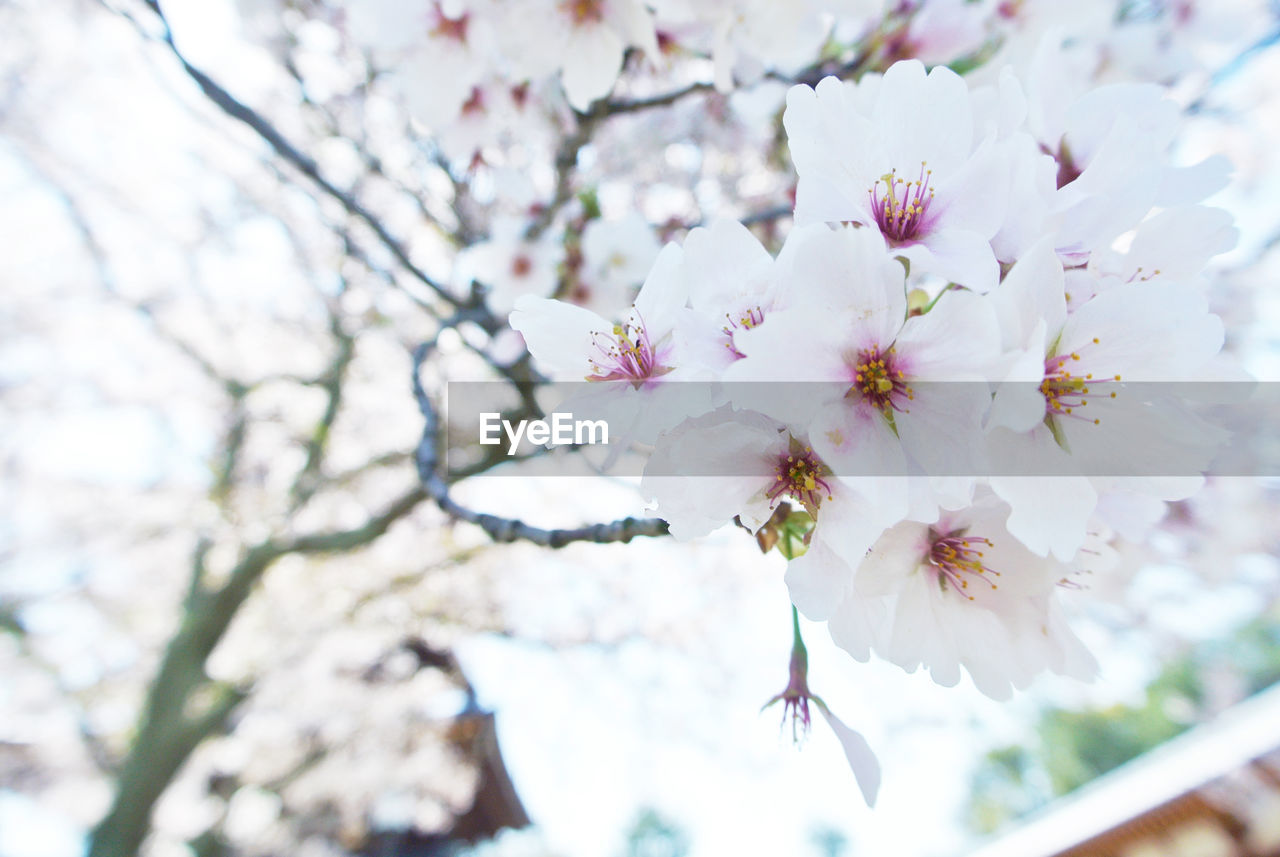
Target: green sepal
794 534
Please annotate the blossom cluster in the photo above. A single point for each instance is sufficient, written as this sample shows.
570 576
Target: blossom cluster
948 238
474 71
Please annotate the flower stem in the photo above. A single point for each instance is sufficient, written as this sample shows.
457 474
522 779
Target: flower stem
799 654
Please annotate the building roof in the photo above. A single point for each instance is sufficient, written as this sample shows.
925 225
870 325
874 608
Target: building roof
1155 786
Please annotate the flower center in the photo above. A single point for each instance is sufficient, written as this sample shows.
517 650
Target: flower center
474 103
800 474
901 211
521 265
582 11
958 558
1065 391
625 354
879 381
741 321
450 28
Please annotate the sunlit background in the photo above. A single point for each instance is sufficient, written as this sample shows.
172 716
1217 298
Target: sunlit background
199 351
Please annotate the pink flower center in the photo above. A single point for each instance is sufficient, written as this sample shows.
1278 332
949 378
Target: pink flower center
521 265
741 321
625 354
474 103
1066 391
1009 8
900 211
582 11
450 28
879 380
958 558
800 474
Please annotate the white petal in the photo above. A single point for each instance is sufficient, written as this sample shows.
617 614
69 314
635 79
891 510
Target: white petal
592 60
1179 242
859 625
941 431
957 255
976 196
849 272
1182 185
957 340
895 556
723 263
558 335
829 144
924 119
663 294
818 581
708 469
1151 331
865 765
1032 185
1032 293
1049 514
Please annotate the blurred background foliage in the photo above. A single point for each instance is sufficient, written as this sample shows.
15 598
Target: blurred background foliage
1072 747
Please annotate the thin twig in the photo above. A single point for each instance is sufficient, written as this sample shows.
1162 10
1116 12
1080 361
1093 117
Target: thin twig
613 108
303 162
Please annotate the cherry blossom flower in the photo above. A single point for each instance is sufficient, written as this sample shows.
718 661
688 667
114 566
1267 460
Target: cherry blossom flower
902 154
960 592
495 113
512 266
746 38
439 51
1110 145
795 699
1175 244
574 344
1065 393
880 394
582 39
725 465
942 31
736 286
616 256
634 366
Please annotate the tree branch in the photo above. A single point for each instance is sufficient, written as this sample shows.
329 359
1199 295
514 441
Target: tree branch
308 480
566 162
183 705
613 108
303 162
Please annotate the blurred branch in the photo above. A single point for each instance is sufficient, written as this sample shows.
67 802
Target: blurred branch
768 215
386 459
309 477
613 108
83 227
566 162
1233 67
75 214
303 162
98 752
463 233
232 444
183 705
339 541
